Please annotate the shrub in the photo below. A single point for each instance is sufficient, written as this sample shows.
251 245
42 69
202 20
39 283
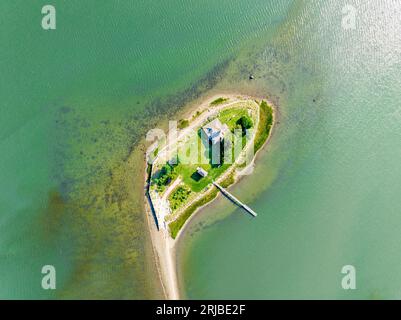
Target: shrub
218 101
179 196
183 123
167 174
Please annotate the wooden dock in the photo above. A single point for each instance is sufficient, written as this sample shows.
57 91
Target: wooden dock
234 199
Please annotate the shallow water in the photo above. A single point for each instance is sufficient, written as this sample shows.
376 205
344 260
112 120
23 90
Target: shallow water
74 103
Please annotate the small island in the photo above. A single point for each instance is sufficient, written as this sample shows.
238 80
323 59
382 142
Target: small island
188 169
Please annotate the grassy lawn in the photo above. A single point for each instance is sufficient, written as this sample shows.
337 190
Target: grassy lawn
187 171
193 180
231 116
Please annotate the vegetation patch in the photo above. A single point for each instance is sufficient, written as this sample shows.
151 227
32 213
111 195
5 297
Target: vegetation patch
265 125
183 123
164 177
193 180
177 224
218 101
228 181
244 123
197 114
231 116
179 196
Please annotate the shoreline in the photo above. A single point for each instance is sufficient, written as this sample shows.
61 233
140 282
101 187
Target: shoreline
163 246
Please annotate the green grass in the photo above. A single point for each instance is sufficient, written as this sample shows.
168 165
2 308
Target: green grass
188 171
177 224
190 178
265 124
218 101
231 116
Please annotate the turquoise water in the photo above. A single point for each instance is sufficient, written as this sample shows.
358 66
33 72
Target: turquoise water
327 188
74 103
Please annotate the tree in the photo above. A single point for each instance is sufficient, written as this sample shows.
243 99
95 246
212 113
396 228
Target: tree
245 122
167 174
